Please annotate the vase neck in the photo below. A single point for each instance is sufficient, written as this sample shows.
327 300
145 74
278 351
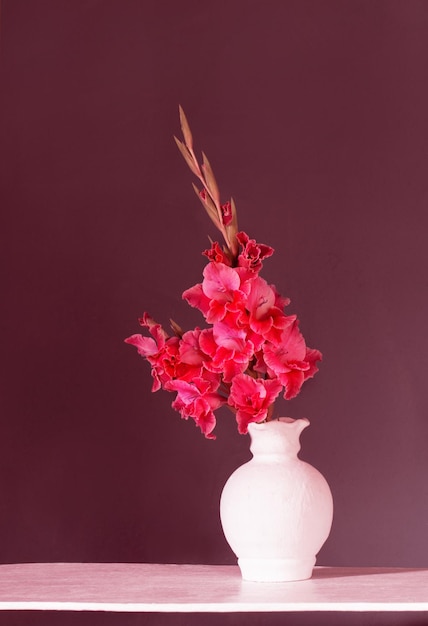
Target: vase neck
279 437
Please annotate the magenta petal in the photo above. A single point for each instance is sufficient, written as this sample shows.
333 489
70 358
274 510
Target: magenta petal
252 396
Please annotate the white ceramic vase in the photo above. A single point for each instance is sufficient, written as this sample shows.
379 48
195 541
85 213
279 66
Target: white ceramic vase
276 510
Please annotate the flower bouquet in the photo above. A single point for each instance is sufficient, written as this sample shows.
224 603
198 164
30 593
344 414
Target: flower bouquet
250 351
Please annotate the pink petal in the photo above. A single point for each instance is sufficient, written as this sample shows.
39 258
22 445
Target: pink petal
207 343
220 281
186 391
312 356
229 337
261 298
190 352
292 382
244 418
146 346
197 299
206 423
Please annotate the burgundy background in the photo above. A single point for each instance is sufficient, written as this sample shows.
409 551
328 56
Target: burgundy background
314 117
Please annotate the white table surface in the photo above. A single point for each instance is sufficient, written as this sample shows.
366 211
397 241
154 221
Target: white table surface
154 588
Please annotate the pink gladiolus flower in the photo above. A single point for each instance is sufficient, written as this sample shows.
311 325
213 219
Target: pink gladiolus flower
252 397
222 285
252 253
217 293
216 254
252 350
163 361
147 346
266 319
197 400
228 350
290 360
163 354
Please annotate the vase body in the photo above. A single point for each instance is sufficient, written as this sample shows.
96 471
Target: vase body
276 510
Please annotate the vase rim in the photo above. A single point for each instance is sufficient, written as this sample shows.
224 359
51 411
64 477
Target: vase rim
283 420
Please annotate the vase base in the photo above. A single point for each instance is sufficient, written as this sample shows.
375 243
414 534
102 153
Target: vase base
276 570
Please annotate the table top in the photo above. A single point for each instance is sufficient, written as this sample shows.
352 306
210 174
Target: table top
135 587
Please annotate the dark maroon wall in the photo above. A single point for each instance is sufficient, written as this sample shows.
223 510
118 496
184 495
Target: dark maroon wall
314 116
